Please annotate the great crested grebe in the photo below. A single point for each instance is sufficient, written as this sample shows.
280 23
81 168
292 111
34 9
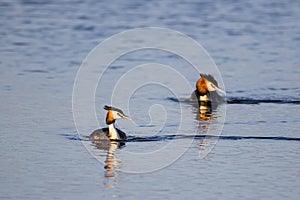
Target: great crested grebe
206 90
111 132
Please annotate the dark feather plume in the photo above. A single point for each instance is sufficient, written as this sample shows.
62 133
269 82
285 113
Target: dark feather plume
113 108
209 78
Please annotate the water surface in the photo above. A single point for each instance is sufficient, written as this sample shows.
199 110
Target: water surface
255 46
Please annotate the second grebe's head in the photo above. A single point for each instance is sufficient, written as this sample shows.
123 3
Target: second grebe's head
113 114
207 84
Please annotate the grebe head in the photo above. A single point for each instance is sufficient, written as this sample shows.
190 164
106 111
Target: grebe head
207 84
113 114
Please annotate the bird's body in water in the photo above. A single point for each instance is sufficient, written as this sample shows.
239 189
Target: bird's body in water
111 132
206 94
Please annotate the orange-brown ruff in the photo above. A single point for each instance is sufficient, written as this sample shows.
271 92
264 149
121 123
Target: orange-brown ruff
110 133
110 117
201 86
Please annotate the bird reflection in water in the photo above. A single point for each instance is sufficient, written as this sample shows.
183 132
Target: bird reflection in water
111 163
205 111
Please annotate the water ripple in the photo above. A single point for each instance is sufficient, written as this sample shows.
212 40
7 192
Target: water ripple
173 137
258 101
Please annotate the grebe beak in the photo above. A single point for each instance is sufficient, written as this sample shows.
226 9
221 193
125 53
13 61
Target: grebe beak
213 87
217 89
124 116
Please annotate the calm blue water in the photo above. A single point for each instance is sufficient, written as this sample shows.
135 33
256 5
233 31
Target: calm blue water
256 48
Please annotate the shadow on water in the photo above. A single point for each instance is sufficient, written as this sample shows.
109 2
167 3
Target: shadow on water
175 137
242 100
259 101
132 138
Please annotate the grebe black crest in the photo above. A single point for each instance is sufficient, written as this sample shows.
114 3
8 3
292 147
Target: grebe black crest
111 132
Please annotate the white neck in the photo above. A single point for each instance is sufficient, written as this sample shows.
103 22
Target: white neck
113 133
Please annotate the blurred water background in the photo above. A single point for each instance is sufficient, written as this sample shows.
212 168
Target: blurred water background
256 47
